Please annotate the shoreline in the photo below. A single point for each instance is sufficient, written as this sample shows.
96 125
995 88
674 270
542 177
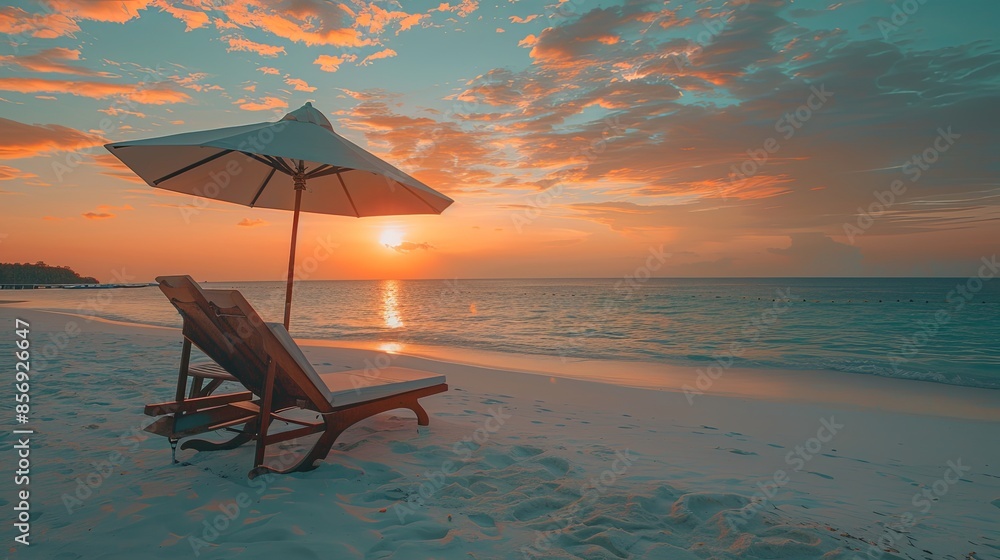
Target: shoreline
827 387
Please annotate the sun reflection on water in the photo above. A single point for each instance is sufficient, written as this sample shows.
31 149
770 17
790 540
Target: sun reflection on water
390 305
390 347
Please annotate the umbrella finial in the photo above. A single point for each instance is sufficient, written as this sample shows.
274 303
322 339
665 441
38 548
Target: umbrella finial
309 114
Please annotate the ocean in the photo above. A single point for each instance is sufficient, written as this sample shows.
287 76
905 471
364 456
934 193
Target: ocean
944 330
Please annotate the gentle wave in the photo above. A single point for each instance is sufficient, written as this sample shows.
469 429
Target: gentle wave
885 327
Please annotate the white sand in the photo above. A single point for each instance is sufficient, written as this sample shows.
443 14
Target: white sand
577 469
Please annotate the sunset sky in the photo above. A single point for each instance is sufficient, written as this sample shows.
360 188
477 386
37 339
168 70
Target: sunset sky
741 137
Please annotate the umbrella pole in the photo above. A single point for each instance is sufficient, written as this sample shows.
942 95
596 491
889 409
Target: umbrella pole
300 185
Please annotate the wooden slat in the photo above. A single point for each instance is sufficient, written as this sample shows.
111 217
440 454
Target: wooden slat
276 416
210 370
293 434
199 403
200 422
252 406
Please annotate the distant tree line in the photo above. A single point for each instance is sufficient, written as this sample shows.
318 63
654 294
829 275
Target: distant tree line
41 273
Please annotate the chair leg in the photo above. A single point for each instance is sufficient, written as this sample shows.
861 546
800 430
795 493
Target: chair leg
265 414
423 419
318 452
336 424
245 435
182 373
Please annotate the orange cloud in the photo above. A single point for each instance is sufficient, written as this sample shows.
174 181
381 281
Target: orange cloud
220 23
192 81
159 94
409 21
264 104
441 154
155 94
15 21
375 18
386 53
757 187
48 60
104 212
303 21
242 44
463 9
20 140
269 70
7 173
328 63
299 85
193 19
99 10
409 246
247 222
115 111
529 41
517 19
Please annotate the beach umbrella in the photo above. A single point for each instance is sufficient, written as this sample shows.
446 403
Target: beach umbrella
297 163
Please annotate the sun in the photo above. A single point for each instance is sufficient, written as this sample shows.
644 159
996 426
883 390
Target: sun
391 237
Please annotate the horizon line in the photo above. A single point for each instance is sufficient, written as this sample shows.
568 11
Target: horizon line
282 280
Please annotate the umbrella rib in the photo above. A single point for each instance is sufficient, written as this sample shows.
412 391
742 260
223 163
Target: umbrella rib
263 160
409 190
185 169
312 173
283 164
332 171
349 199
262 185
288 168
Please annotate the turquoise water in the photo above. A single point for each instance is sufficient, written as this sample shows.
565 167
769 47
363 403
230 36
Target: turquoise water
908 328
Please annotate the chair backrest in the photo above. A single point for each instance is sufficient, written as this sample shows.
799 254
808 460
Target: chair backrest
190 301
224 325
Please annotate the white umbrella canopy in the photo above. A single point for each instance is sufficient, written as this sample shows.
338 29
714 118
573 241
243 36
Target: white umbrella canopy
297 163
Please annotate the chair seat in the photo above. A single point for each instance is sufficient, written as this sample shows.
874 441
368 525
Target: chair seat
356 386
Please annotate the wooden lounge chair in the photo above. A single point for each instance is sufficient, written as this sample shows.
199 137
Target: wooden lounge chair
266 361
